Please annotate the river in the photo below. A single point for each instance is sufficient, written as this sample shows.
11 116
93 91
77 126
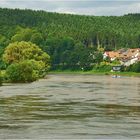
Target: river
71 107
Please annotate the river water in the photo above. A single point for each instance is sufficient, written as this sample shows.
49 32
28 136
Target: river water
71 107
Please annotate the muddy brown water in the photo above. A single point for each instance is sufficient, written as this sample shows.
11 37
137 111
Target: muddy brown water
71 107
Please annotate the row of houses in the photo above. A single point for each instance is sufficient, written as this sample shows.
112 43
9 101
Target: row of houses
126 57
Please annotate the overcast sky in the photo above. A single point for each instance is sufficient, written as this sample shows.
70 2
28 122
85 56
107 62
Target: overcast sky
84 7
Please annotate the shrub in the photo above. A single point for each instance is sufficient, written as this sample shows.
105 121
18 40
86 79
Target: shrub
102 68
134 68
24 71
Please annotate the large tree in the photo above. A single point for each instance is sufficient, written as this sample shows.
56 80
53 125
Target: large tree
26 61
19 51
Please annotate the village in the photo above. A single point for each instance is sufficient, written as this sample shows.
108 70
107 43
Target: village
126 57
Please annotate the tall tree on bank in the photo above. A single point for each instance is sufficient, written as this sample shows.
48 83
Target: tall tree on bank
26 61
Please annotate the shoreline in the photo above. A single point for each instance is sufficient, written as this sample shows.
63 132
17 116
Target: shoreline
130 74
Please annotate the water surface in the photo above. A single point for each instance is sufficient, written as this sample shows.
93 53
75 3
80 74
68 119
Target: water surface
71 106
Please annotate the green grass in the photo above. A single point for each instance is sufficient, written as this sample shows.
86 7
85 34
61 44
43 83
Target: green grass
92 72
95 73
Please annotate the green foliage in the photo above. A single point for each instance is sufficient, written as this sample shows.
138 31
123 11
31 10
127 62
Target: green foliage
93 31
24 71
98 57
134 68
22 35
27 34
27 62
40 67
115 62
102 67
37 38
73 57
2 40
72 41
19 51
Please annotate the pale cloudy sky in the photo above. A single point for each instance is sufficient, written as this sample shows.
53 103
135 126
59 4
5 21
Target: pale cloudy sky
84 7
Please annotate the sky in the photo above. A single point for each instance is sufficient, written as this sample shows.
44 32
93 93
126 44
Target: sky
81 7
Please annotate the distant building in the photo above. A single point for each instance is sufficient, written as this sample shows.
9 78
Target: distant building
126 57
111 54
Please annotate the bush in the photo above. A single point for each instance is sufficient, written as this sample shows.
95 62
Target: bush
22 72
134 68
102 68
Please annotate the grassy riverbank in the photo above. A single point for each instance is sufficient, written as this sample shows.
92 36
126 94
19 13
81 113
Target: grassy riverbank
96 73
129 74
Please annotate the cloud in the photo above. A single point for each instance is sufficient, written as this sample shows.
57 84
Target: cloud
84 7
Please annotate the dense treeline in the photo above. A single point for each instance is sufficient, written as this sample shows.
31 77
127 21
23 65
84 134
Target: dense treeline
69 39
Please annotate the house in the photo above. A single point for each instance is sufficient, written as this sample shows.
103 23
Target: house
111 54
132 56
127 57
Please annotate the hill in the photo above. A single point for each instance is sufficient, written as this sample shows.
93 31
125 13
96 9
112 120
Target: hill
60 34
122 31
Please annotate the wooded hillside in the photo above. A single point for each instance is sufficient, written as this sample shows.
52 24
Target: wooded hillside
61 35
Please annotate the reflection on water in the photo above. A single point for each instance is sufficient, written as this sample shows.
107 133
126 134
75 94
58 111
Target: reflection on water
71 106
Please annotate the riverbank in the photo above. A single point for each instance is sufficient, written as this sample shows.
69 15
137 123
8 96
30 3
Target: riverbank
128 74
96 73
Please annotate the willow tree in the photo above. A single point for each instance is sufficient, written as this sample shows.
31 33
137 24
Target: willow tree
23 53
19 51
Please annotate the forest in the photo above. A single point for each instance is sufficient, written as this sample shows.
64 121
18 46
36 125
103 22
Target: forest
71 41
